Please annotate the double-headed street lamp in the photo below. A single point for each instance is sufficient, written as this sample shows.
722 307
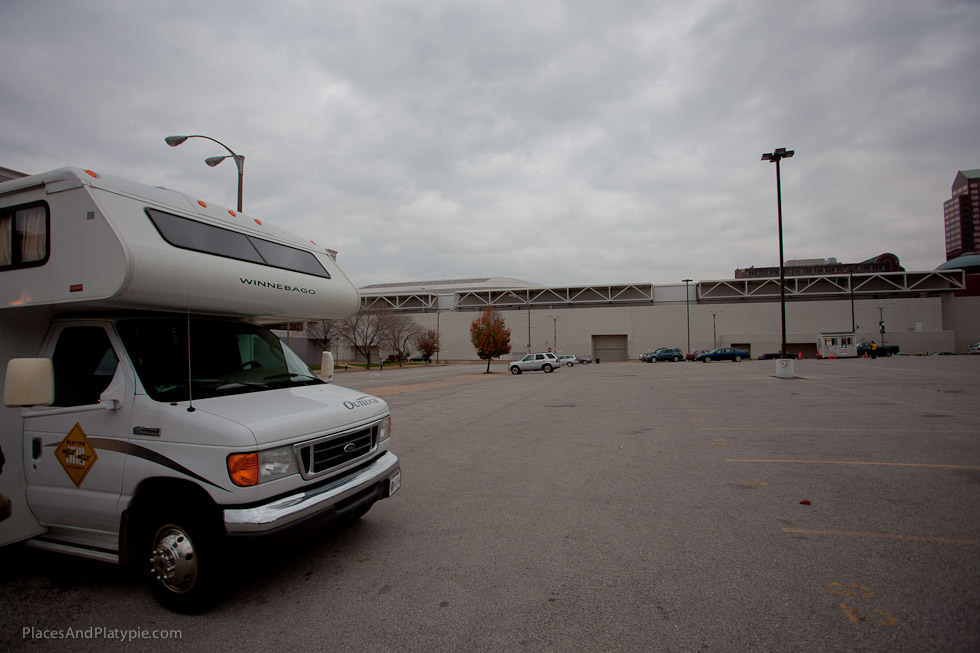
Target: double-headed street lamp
174 141
775 156
687 300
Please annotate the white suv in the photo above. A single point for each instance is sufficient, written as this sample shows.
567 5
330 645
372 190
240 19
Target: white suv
568 359
545 361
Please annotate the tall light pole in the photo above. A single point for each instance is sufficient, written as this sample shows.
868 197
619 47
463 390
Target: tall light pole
555 318
881 320
438 336
174 141
714 328
776 155
526 300
687 300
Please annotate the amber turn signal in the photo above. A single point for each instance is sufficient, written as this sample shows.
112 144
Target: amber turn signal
243 469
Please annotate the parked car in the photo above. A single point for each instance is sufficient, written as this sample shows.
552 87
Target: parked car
568 359
974 348
583 360
693 354
723 354
864 348
545 361
769 356
665 354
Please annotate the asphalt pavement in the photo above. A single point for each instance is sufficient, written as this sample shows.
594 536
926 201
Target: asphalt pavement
612 507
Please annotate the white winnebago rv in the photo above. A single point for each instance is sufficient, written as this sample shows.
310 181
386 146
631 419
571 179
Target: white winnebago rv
148 415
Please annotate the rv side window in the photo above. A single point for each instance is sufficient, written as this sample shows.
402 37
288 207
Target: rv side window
24 236
209 239
84 364
289 258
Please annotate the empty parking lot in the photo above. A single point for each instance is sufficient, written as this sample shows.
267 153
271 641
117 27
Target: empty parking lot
627 506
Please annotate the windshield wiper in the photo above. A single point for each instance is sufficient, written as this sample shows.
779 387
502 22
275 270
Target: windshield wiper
290 376
252 385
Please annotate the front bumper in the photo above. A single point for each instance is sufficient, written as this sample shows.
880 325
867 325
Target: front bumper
383 475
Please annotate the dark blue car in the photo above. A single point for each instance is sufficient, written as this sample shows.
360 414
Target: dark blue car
723 354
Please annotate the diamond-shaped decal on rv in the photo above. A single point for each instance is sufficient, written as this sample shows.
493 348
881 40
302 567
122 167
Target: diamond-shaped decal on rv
76 454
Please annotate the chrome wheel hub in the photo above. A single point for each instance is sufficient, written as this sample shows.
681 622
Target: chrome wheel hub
173 561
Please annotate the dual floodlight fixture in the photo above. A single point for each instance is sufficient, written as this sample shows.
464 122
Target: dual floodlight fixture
777 154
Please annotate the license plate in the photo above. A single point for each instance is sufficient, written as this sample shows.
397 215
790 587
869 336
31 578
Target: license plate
394 483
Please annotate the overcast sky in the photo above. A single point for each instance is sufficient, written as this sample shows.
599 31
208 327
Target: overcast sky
561 143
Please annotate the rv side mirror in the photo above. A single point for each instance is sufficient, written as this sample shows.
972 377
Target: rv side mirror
29 382
326 366
112 397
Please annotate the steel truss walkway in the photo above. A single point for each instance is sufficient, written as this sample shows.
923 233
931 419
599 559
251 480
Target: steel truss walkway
818 287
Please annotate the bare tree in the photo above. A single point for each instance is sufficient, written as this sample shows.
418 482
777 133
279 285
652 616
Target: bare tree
399 334
322 333
365 330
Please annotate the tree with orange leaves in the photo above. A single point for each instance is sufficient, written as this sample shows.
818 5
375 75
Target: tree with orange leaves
490 335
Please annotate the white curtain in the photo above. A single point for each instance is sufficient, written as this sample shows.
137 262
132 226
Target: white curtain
33 239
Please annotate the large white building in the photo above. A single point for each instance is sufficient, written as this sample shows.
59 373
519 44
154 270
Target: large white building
919 311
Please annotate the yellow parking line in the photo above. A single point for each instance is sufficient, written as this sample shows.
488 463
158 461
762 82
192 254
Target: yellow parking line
847 462
886 536
834 430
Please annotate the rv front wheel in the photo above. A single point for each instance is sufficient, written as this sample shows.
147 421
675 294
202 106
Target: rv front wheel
183 570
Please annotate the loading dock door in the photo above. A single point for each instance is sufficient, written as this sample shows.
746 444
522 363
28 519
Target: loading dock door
610 348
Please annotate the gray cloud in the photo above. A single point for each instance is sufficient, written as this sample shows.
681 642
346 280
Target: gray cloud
560 142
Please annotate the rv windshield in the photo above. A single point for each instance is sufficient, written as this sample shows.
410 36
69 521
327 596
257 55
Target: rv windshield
226 358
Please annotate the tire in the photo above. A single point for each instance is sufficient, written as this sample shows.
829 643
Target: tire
676 358
568 364
707 359
515 370
184 571
548 368
737 359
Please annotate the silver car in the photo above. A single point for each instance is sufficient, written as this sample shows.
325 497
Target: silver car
544 361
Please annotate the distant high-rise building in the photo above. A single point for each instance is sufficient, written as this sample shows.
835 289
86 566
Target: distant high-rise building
961 215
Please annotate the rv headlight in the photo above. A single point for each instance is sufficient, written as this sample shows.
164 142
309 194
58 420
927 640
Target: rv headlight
384 429
248 469
275 463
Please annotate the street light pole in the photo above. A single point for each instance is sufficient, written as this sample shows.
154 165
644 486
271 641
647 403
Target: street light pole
527 301
776 155
438 336
714 329
556 332
174 141
529 321
881 322
687 300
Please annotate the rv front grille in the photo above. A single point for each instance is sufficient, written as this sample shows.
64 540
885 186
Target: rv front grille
321 456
